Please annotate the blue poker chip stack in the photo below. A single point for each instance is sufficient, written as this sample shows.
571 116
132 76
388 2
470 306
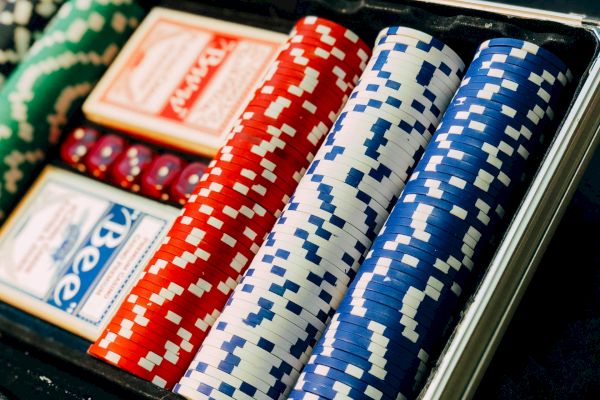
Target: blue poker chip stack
294 285
393 319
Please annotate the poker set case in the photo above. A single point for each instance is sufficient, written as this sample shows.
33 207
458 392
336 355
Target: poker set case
462 25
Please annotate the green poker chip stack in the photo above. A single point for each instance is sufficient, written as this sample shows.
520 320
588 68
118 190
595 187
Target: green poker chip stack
51 83
21 22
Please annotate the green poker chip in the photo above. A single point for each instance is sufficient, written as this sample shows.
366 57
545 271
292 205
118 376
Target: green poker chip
52 81
21 22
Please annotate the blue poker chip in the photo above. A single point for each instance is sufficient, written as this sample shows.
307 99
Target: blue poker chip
468 196
402 334
227 387
307 390
468 165
401 220
494 188
504 96
391 285
528 61
528 118
486 134
486 210
392 334
425 260
486 62
445 206
398 357
495 124
544 91
371 294
335 364
325 387
477 148
440 219
440 242
380 363
520 95
473 163
529 47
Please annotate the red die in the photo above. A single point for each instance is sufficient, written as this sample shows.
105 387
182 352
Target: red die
77 145
187 181
104 154
161 175
128 169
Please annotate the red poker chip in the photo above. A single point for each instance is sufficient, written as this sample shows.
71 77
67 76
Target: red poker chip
228 263
191 274
303 152
292 73
210 303
346 78
298 118
338 53
155 332
295 112
316 56
303 138
134 368
250 172
347 49
287 177
276 163
310 23
303 35
238 222
255 185
265 220
137 351
253 144
144 338
170 296
169 330
272 200
185 278
324 112
242 147
152 332
302 129
148 299
324 94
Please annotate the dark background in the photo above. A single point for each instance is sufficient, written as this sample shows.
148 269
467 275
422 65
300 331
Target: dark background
550 351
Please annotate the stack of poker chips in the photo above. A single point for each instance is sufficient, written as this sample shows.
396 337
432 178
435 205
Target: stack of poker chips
391 322
274 318
160 326
131 166
21 22
50 84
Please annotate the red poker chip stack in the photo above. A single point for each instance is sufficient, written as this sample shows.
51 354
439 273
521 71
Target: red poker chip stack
158 329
